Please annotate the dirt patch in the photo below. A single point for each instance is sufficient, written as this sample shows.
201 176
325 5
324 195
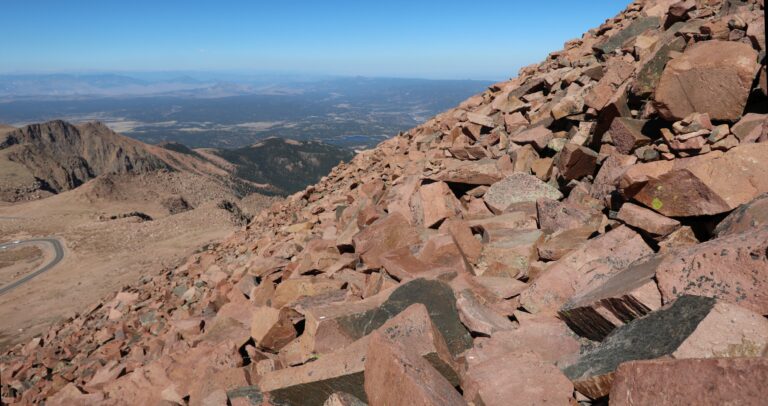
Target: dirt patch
17 262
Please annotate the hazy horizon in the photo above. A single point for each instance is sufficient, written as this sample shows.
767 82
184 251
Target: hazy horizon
398 39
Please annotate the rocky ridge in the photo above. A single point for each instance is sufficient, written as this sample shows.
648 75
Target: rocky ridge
591 230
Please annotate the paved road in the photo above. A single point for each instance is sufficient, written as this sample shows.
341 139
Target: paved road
58 249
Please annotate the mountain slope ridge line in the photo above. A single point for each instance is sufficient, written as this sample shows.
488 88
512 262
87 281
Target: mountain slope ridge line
562 237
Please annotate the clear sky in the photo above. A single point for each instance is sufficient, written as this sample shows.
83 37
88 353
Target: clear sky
481 39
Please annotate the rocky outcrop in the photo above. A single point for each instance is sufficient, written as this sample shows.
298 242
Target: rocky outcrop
64 156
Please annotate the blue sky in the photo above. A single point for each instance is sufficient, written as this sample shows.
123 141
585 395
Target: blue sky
429 39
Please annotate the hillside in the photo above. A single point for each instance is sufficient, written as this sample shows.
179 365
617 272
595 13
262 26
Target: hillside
288 165
53 157
592 231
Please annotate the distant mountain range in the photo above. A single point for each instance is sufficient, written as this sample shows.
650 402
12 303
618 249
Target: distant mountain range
40 160
233 111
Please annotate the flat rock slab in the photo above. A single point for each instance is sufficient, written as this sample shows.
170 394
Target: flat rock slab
647 220
581 269
397 375
711 77
716 381
342 370
690 327
516 378
356 320
733 268
637 27
385 235
621 298
708 186
745 218
519 188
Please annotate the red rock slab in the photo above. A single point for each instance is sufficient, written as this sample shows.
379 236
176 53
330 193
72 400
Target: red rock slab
580 269
272 328
712 77
397 375
715 381
508 252
647 220
386 234
538 136
515 220
557 216
576 161
71 395
683 237
503 288
627 134
518 378
690 327
290 290
342 370
546 336
733 268
627 295
607 178
564 242
750 127
479 318
481 172
462 234
745 218
518 188
709 186
438 203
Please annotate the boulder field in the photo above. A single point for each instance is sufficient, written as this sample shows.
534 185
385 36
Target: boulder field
592 230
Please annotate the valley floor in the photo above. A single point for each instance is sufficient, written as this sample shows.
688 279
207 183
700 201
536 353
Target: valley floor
101 254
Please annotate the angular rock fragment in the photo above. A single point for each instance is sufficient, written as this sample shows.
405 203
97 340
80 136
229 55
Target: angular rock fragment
652 67
516 378
538 137
342 370
385 235
576 161
733 268
518 188
635 28
625 296
647 220
627 134
708 186
396 374
745 218
691 327
438 203
290 290
272 328
712 77
478 318
345 323
715 381
481 172
583 268
343 399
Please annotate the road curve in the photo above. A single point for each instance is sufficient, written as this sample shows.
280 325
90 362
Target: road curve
59 255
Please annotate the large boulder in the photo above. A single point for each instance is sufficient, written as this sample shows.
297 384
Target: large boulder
716 381
713 77
519 188
691 327
708 186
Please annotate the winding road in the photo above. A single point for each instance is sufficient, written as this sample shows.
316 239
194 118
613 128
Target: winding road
59 255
